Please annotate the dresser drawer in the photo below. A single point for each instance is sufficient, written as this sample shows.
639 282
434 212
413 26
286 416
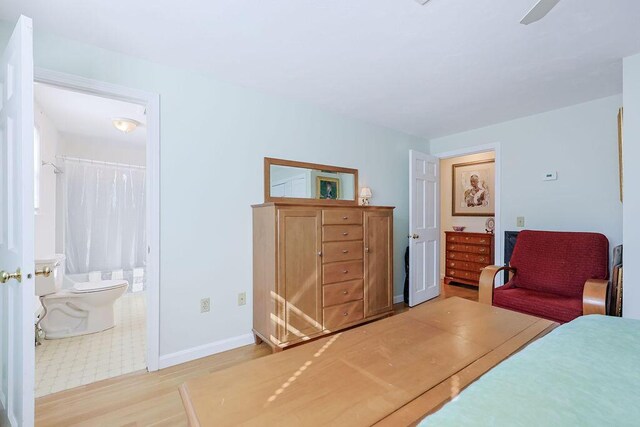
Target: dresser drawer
482 259
342 271
342 251
468 248
464 265
343 314
337 233
469 239
461 274
340 293
335 217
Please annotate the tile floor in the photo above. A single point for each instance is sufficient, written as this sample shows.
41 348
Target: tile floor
72 362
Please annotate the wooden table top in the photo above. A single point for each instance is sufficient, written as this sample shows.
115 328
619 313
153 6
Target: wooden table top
392 372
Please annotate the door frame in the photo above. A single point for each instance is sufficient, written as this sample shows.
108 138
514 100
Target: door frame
477 149
152 103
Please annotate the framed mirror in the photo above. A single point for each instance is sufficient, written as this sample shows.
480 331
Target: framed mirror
311 183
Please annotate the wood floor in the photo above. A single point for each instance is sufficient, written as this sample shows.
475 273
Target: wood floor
152 399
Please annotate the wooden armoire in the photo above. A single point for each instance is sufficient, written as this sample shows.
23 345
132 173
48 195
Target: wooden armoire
318 269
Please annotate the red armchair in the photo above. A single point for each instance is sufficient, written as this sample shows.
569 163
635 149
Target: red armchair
554 275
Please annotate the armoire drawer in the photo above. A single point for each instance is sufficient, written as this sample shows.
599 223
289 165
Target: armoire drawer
338 233
337 217
341 293
342 251
342 271
343 314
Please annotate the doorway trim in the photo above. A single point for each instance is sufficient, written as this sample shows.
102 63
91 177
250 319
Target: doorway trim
152 103
484 148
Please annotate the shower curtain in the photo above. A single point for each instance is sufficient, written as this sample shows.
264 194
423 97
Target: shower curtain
104 218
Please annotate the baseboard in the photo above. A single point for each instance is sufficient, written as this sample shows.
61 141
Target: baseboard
398 299
194 353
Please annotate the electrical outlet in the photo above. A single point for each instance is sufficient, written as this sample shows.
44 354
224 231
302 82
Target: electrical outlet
205 305
520 221
242 298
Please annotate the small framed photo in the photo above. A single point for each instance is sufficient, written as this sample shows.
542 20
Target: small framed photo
473 189
327 188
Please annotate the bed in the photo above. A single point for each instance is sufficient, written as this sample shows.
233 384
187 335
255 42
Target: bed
586 372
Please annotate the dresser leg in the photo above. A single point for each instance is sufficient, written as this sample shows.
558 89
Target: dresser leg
257 339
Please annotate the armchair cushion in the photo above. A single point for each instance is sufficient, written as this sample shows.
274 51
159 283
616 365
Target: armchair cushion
559 262
559 308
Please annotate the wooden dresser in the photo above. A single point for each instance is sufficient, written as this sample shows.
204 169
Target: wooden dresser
467 255
319 269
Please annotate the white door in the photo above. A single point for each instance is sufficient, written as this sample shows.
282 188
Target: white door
424 227
17 294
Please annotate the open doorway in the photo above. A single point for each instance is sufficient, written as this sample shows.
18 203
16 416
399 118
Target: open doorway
95 312
469 202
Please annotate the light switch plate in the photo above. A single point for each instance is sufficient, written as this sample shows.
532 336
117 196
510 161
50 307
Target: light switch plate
242 298
550 176
520 221
205 305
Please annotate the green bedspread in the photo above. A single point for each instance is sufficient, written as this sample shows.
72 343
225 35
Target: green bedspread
584 373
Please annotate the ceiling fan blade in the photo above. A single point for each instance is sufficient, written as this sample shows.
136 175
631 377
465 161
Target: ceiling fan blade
539 11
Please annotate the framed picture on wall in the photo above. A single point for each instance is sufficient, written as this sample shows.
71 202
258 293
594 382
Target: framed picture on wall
328 188
473 188
620 146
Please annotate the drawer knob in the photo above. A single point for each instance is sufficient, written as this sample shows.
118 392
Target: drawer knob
345 271
345 292
345 314
346 233
345 217
482 249
483 241
466 238
344 251
319 253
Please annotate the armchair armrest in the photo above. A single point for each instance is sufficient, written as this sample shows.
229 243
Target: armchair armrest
595 297
487 279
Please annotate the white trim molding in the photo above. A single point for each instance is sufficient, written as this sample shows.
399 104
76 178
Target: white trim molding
201 351
152 103
398 299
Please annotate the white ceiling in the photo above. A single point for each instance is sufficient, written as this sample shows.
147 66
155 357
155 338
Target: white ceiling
90 116
427 70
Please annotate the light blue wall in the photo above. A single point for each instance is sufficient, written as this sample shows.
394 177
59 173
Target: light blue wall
214 137
631 300
577 142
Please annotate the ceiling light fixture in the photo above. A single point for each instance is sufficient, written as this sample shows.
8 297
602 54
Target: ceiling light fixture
125 125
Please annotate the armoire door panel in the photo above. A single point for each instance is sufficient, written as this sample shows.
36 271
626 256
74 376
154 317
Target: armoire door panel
378 263
299 273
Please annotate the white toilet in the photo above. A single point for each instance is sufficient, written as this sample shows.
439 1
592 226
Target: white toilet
83 308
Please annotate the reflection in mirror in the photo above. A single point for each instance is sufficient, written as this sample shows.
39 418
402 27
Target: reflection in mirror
306 183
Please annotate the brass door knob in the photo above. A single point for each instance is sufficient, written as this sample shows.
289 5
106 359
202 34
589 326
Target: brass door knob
46 272
5 276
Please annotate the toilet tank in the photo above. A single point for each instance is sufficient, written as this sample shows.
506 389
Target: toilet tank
53 283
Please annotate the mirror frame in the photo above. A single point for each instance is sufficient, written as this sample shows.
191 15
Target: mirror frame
269 161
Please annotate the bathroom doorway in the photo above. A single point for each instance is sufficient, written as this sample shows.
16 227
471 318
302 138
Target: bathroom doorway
95 187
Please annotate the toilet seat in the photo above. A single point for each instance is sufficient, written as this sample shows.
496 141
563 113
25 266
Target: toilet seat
102 285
